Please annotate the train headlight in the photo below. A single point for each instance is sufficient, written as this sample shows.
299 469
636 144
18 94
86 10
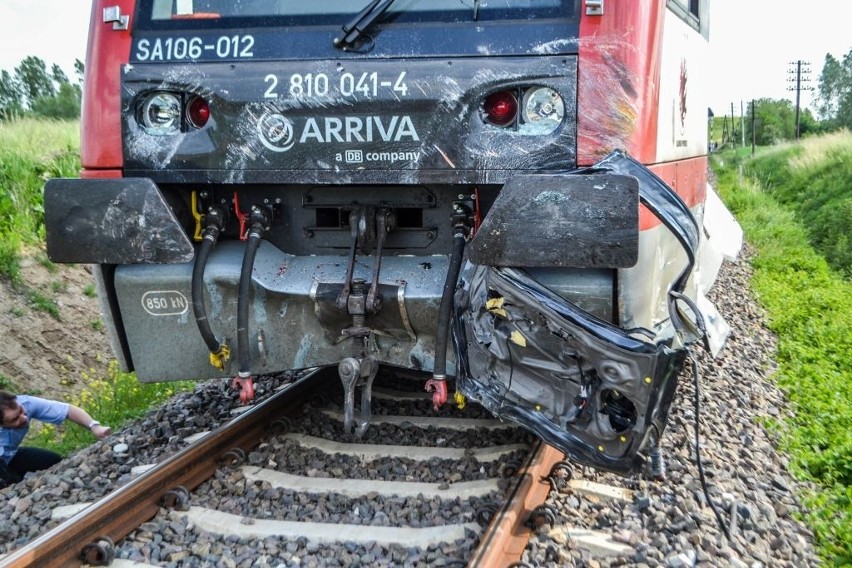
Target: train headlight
161 114
543 107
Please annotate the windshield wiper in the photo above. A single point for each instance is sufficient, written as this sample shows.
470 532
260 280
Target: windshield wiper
359 24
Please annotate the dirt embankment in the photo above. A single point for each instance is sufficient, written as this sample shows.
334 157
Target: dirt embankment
46 354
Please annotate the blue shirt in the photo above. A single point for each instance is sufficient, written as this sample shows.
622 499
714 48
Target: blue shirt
50 411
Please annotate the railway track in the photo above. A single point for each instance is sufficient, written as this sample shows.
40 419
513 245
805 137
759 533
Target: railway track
283 477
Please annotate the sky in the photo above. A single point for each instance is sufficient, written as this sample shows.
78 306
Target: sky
752 42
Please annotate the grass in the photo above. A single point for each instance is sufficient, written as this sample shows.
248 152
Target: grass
812 180
42 303
809 305
31 152
7 384
47 263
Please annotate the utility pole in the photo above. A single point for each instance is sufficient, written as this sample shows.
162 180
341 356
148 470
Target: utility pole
733 127
802 72
752 127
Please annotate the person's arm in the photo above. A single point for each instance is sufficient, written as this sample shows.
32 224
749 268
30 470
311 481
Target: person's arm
81 417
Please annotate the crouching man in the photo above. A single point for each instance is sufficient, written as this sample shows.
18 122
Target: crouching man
16 412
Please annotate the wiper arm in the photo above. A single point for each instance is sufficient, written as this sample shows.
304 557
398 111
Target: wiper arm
359 24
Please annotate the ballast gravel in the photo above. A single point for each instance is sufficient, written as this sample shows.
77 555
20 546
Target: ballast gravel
666 523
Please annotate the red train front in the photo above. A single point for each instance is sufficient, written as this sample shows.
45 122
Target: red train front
504 196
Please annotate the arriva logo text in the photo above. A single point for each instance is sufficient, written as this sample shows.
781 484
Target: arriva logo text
276 131
357 129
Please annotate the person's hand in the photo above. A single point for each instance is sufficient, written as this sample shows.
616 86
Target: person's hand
101 432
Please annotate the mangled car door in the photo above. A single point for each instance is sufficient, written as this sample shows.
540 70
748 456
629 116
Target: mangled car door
533 352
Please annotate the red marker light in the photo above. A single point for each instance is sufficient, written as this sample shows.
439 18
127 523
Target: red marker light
501 108
198 111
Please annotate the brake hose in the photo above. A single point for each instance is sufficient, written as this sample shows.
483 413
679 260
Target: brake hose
219 351
255 235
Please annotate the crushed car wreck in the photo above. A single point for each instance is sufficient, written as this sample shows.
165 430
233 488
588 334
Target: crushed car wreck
595 390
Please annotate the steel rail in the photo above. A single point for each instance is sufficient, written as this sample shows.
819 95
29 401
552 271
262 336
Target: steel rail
508 534
123 510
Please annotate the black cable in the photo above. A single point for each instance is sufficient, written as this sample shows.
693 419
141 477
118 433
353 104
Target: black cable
699 317
445 310
255 235
719 520
207 243
699 322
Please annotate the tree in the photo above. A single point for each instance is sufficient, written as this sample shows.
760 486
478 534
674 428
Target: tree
11 96
835 91
63 105
79 70
34 79
808 124
774 121
58 75
35 90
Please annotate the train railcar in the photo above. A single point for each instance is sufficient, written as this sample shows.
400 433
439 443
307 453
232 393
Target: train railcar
510 196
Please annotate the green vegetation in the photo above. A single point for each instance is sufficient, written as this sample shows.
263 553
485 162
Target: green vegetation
810 309
32 89
47 263
58 285
113 399
768 121
835 91
7 384
40 302
31 152
812 179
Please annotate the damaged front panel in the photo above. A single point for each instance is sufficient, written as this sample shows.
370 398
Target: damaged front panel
589 387
113 221
578 221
